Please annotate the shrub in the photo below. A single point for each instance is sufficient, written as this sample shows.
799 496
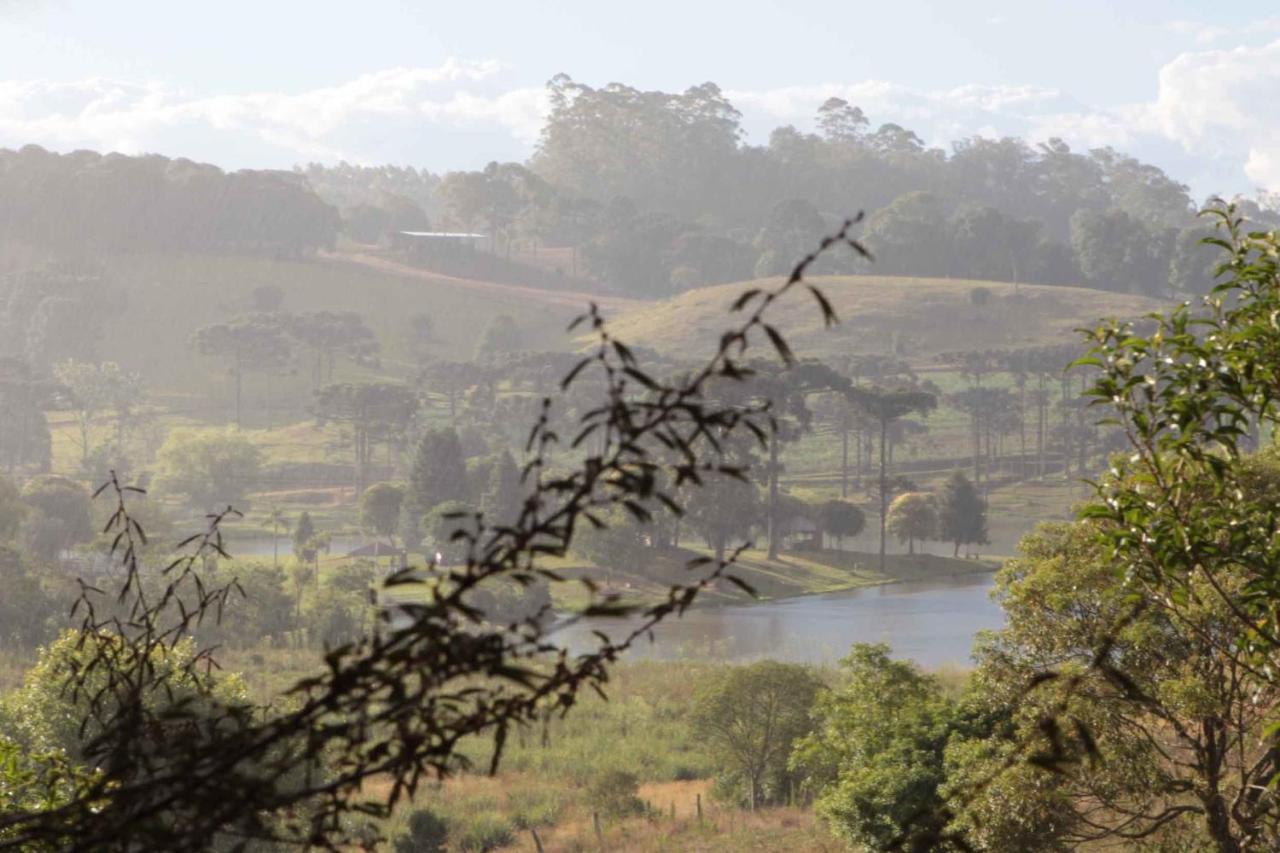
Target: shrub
426 833
615 793
484 831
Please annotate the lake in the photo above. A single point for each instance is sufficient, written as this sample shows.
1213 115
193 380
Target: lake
931 622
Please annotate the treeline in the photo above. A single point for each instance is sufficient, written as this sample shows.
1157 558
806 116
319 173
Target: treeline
659 193
85 201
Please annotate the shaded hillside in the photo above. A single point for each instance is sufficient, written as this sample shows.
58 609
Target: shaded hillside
167 296
917 318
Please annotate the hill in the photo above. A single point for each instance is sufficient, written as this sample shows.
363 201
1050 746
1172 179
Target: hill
167 295
917 318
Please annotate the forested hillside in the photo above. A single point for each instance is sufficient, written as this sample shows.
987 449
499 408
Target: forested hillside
85 202
656 193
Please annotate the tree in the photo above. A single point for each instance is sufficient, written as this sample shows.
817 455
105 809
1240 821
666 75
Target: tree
1180 740
48 717
28 608
875 756
426 832
503 498
304 534
61 516
885 406
749 717
439 471
330 334
94 387
912 230
840 122
912 517
722 509
1117 251
962 513
12 510
395 705
210 467
276 519
840 519
380 508
373 412
791 224
255 343
24 429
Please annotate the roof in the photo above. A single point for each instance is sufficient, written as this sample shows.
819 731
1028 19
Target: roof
443 235
375 549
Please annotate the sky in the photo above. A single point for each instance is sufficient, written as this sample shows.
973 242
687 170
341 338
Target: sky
1192 87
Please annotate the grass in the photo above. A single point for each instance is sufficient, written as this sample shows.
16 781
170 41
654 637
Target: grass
643 728
172 294
794 573
917 318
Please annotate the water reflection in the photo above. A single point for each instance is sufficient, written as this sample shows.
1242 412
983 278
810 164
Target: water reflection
931 622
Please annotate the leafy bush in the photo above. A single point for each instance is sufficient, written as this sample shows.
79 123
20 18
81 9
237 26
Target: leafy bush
614 793
426 833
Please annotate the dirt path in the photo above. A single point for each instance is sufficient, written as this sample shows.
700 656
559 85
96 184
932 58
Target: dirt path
567 298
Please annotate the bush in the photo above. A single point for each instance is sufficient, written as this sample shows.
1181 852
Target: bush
483 832
614 793
426 833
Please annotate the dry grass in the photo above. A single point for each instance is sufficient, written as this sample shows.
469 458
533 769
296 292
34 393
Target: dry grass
720 830
919 317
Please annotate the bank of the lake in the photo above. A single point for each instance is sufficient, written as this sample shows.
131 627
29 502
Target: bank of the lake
930 621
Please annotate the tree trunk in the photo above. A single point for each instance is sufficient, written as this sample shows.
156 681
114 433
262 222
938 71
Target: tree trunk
977 446
844 463
857 473
884 488
773 496
239 375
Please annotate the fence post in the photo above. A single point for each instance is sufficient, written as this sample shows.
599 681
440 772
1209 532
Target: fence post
595 820
537 842
699 804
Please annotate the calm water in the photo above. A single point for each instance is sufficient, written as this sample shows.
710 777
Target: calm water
931 622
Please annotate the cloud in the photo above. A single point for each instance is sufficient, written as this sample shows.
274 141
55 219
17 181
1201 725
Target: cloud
1219 105
1211 122
348 121
1206 34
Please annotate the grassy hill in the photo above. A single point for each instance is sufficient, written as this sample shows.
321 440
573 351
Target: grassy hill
917 318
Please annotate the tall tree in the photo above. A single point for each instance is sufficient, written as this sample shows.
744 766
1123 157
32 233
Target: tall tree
372 411
24 429
254 343
913 517
380 508
503 497
330 334
962 513
885 406
439 471
751 716
93 388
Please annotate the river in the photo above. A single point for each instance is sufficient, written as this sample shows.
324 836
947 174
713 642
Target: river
931 622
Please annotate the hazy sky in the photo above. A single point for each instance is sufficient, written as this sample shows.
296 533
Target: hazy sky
1191 86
